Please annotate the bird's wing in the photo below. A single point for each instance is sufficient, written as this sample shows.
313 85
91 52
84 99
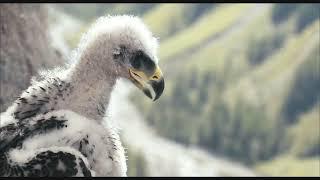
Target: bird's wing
14 134
55 161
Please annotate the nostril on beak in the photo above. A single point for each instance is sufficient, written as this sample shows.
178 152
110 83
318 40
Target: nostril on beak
155 77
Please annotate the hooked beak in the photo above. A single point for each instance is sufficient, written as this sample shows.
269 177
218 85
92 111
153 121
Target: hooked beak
152 86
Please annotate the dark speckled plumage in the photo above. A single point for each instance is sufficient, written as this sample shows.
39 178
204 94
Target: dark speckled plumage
47 163
43 164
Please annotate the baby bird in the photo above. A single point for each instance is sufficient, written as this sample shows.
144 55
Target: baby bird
56 127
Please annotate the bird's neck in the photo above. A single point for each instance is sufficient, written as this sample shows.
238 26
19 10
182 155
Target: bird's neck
91 90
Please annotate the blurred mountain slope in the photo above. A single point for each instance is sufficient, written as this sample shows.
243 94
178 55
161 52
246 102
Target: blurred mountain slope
248 86
165 20
213 22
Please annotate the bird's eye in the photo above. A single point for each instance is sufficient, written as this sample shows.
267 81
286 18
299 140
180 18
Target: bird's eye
136 63
148 63
142 61
136 60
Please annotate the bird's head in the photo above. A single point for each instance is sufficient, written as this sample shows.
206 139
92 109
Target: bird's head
129 50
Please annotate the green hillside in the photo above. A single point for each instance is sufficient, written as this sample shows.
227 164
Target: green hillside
290 166
238 95
166 19
213 22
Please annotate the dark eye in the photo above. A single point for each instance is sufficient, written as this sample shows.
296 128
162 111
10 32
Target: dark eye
136 63
136 60
148 63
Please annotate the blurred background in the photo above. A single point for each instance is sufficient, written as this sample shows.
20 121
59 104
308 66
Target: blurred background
242 89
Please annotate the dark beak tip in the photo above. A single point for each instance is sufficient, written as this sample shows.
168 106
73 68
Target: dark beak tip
158 87
147 93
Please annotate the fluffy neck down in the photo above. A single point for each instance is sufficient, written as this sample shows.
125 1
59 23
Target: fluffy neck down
92 85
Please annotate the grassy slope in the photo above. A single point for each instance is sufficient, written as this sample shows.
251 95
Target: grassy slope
164 18
306 132
277 70
186 39
302 134
271 80
204 28
214 55
277 73
290 166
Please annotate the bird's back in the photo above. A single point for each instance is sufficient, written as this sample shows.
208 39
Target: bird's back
39 123
42 162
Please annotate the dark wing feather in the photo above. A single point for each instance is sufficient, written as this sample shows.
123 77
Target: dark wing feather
44 163
47 163
13 135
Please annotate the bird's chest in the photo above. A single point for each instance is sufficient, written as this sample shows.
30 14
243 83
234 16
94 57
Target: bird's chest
101 146
104 153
